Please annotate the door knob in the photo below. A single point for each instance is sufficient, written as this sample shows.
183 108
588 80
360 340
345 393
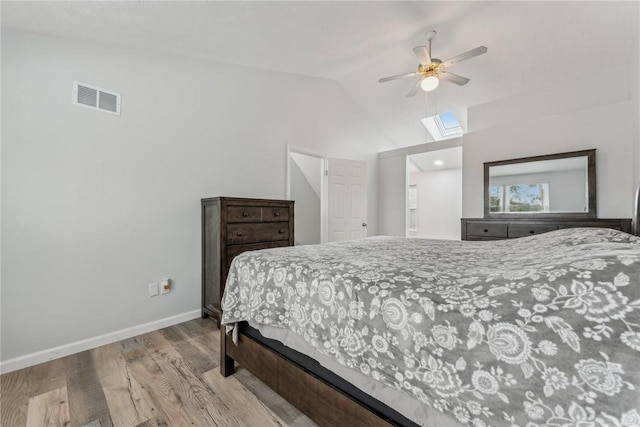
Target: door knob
364 224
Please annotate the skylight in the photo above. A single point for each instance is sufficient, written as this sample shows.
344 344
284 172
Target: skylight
443 126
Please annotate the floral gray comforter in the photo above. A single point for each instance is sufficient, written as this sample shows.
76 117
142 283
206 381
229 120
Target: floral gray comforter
538 331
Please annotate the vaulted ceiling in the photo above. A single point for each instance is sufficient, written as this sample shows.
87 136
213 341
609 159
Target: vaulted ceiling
530 44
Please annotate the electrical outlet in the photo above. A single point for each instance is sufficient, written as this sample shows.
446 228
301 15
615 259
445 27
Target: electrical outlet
165 286
153 290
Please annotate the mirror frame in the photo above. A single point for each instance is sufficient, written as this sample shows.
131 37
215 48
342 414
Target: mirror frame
591 184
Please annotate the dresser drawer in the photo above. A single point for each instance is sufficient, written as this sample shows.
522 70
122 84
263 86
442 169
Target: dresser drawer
275 214
257 214
235 250
244 214
523 230
486 230
238 234
509 228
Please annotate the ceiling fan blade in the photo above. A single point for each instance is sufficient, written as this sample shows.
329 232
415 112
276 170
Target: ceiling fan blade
469 54
399 76
422 53
415 88
454 78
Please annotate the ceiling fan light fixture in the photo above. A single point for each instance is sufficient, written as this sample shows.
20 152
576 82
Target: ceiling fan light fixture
429 83
430 69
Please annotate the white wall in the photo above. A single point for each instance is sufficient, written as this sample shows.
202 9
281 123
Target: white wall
96 206
578 115
559 98
567 116
439 203
634 89
392 184
307 207
392 175
567 189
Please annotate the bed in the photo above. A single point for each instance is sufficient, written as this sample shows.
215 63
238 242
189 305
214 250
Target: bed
537 331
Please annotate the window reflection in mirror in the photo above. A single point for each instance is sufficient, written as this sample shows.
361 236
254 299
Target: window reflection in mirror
520 198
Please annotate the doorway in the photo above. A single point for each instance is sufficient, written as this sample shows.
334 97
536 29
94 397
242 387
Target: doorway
434 194
330 196
306 185
347 200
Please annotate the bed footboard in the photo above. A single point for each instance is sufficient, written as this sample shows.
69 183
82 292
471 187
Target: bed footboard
321 402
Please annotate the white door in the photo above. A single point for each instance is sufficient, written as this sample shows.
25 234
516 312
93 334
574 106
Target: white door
347 196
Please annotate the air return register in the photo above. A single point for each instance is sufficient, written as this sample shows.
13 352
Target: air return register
98 99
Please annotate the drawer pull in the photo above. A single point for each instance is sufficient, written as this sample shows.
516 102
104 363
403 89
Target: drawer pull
239 234
245 214
486 231
532 232
281 231
276 214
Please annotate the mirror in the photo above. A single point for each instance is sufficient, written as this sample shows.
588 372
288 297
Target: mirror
554 185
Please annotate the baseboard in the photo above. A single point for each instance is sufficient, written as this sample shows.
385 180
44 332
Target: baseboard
89 343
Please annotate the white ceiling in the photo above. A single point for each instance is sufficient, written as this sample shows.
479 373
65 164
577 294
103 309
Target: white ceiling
530 44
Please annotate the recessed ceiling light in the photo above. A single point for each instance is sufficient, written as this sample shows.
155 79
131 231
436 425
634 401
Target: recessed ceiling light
438 163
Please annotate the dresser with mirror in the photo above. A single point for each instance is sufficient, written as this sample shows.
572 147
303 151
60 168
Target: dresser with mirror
534 195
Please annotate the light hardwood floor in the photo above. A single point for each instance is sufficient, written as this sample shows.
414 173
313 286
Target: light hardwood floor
168 377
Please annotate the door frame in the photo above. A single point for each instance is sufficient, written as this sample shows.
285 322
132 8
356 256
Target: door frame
324 194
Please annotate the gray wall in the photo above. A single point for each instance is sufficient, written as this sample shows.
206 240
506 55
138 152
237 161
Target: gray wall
95 206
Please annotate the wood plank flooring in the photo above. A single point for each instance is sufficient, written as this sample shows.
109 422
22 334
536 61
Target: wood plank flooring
168 377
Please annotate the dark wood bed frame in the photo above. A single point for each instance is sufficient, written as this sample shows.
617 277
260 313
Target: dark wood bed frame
317 399
320 401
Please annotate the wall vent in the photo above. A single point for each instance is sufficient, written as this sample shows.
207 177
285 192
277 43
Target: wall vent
98 99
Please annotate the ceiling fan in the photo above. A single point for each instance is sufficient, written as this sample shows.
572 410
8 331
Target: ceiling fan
431 70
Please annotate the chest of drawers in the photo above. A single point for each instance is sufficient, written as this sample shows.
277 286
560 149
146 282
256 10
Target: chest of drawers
231 226
497 229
